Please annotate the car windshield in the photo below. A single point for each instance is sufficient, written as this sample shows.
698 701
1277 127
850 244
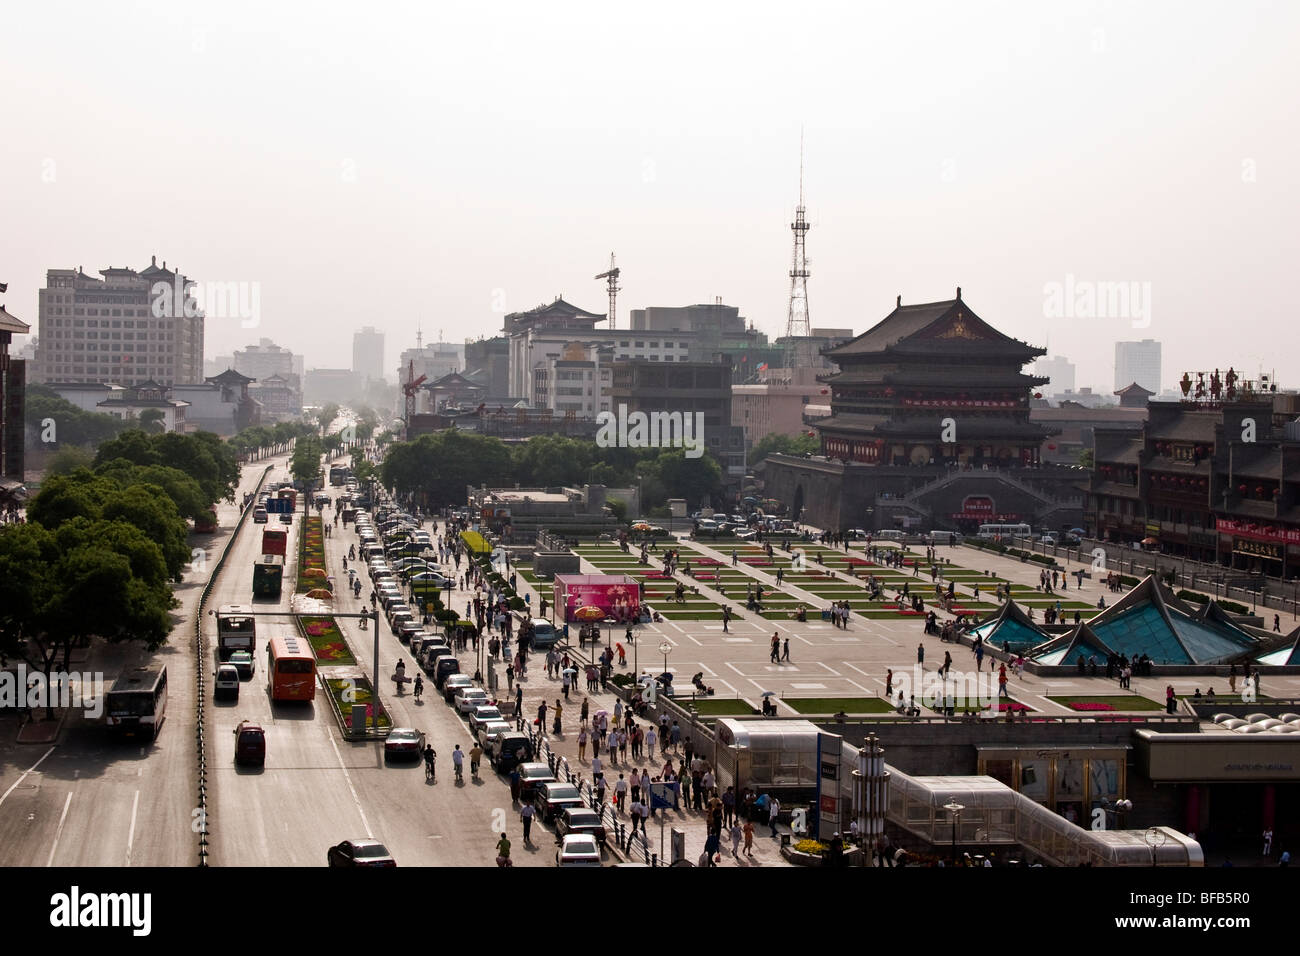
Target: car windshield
583 818
403 735
580 844
369 851
487 713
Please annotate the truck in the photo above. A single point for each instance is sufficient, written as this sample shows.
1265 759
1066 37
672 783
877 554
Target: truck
275 541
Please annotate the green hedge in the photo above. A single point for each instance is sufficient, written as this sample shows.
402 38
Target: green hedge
1232 607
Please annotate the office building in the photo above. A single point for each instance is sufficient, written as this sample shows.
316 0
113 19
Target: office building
1138 362
368 354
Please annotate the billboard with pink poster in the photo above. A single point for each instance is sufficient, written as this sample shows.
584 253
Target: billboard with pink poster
584 598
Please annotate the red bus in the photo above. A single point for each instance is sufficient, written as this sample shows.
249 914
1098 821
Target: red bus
291 668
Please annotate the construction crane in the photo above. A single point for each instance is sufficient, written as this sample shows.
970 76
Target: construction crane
411 386
611 276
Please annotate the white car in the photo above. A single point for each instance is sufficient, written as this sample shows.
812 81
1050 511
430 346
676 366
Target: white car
746 535
481 715
470 697
578 849
490 728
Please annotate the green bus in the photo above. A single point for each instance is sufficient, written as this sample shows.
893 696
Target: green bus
268 576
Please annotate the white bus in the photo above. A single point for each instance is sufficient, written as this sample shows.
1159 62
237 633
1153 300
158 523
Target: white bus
995 531
137 702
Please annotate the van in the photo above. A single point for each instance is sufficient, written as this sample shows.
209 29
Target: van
431 651
544 633
444 666
503 750
226 684
890 534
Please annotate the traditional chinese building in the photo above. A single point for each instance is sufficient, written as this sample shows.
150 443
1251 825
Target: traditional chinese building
1213 478
930 430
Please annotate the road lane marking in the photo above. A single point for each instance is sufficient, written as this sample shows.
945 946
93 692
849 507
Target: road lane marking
59 832
25 773
808 686
130 837
348 779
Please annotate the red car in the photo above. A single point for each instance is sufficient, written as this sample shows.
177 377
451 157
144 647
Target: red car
360 853
250 744
404 742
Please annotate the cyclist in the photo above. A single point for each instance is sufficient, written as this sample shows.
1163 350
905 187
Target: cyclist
430 755
475 756
503 851
419 686
458 760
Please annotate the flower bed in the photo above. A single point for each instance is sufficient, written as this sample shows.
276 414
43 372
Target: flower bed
1089 705
326 640
349 691
311 553
476 543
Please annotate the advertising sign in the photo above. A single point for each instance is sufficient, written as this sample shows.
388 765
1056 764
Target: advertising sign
617 596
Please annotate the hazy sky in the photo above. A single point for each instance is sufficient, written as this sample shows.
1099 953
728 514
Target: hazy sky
435 163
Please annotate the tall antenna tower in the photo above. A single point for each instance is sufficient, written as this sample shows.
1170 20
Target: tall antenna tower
611 276
797 324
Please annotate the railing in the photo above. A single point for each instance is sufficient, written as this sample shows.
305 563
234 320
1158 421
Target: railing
631 843
200 672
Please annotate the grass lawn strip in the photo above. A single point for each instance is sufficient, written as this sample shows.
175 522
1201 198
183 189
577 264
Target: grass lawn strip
1117 702
834 705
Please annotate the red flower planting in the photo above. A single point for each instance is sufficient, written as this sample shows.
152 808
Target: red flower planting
1089 705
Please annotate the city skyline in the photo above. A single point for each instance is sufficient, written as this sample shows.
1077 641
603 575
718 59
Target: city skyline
1071 167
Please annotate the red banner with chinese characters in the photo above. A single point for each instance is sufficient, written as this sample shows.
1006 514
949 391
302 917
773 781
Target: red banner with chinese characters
1259 532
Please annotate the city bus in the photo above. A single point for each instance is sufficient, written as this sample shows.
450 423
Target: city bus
268 577
137 701
291 668
994 531
236 629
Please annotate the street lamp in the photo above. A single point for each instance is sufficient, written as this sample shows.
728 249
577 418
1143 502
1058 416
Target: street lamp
955 808
665 649
1119 808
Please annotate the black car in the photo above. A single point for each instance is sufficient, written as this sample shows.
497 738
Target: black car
551 799
532 776
360 853
580 820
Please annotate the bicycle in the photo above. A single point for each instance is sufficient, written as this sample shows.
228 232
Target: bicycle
430 768
460 773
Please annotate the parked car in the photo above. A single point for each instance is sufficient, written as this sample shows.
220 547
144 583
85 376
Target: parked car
408 631
360 853
404 742
481 715
503 750
250 745
746 535
580 820
578 849
550 799
226 684
468 698
531 776
487 729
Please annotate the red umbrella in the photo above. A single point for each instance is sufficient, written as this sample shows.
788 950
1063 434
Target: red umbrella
589 613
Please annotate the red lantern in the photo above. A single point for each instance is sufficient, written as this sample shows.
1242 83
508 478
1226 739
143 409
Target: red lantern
1241 489
1259 491
826 391
1051 448
1038 394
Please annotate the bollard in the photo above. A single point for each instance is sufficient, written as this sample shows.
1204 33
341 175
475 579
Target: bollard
654 859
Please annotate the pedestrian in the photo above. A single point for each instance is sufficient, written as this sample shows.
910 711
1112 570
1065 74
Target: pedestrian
582 744
1002 680
1268 842
1170 701
748 830
736 834
729 806
514 784
920 655
785 656
776 648
566 685
526 817
597 768
773 814
620 793
889 683
583 714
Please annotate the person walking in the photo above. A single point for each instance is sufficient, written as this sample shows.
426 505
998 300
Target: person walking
736 834
726 619
526 817
582 744
583 713
1002 680
776 648
773 814
620 794
785 654
748 830
920 655
650 741
889 684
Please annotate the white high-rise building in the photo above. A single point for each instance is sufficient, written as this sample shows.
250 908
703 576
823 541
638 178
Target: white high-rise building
1138 362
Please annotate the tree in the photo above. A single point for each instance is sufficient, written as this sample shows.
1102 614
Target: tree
1087 458
56 421
305 465
774 444
325 417
90 577
153 421
440 466
179 487
203 456
549 460
68 459
695 479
